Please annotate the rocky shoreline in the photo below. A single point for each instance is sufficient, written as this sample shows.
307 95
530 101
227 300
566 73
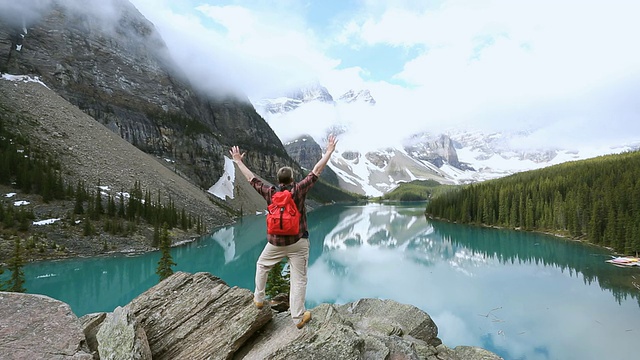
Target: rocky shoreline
175 318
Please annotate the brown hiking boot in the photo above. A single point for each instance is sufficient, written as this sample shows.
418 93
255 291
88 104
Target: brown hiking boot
259 304
306 317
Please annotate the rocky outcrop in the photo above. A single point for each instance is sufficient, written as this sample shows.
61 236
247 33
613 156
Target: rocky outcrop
437 151
304 150
122 337
34 327
198 316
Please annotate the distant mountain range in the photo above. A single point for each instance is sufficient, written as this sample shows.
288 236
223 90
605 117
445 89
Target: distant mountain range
457 156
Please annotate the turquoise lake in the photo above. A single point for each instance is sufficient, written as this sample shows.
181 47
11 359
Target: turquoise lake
521 295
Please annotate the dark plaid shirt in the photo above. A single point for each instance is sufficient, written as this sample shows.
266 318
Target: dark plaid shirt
299 193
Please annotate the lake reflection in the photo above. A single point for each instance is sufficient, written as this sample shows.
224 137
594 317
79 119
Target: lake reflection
521 295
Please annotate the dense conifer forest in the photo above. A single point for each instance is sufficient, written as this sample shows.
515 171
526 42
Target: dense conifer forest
597 200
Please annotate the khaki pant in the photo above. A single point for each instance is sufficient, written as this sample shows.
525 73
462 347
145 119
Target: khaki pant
298 255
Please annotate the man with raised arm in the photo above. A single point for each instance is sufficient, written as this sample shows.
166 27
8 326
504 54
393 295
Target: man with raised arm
293 247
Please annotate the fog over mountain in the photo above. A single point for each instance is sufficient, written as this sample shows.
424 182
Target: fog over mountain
450 156
557 77
539 67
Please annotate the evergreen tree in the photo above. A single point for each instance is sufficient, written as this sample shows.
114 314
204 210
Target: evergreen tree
9 220
121 211
276 282
87 228
166 261
80 193
184 221
111 207
15 264
156 235
98 210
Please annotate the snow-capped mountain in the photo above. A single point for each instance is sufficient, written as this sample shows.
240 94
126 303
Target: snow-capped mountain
352 96
283 104
457 156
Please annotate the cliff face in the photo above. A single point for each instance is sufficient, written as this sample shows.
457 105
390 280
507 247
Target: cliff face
306 152
110 61
436 151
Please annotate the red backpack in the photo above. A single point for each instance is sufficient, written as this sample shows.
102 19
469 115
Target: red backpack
283 217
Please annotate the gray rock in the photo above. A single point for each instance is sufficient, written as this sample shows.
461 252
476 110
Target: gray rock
474 353
388 317
365 329
90 325
122 338
329 335
34 327
197 316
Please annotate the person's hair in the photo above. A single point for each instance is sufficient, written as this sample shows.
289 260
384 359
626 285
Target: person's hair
285 175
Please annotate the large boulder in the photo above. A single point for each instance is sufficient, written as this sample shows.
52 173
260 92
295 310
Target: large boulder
365 329
122 338
197 316
34 327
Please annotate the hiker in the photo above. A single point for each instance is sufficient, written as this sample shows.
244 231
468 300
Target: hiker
294 247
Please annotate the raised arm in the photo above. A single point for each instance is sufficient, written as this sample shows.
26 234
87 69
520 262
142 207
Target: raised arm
237 158
331 146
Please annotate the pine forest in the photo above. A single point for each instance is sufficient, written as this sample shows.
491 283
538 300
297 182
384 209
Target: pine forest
595 200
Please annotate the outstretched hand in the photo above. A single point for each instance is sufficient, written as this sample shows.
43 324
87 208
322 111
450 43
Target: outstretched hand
331 143
235 154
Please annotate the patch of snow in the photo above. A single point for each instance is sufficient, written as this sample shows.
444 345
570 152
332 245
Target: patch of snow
224 186
45 222
46 276
10 195
21 202
22 78
125 195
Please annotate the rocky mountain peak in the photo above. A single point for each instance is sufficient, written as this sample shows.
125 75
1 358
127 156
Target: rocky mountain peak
304 150
312 92
436 150
292 100
352 96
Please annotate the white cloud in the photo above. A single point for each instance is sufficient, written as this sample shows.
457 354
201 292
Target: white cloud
237 49
524 64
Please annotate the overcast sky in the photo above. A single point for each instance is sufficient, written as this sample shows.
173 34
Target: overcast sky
570 69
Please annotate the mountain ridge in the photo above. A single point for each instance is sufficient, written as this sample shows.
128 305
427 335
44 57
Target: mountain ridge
454 156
